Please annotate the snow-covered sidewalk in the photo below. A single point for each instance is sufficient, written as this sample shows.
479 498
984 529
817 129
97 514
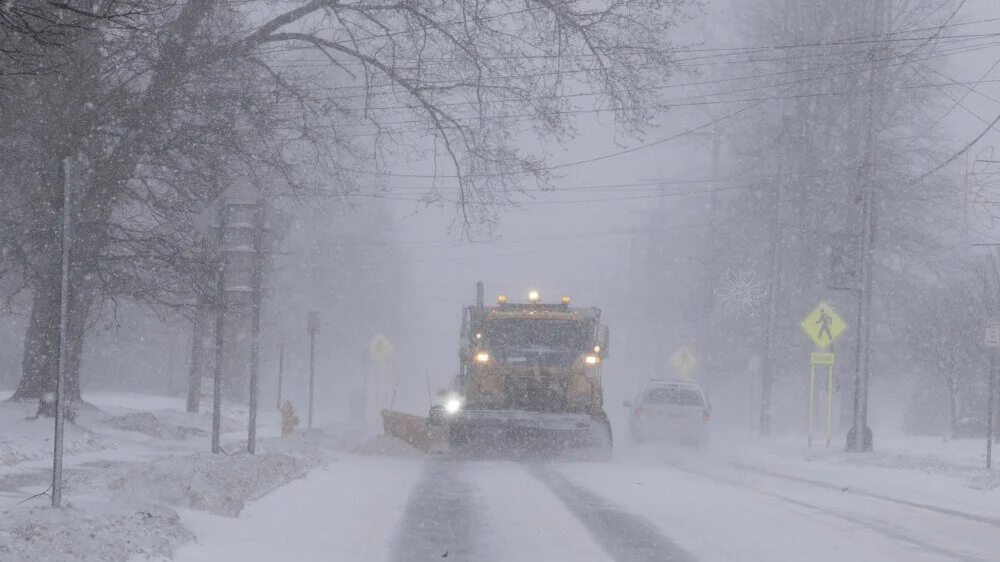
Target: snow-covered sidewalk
346 511
132 462
950 475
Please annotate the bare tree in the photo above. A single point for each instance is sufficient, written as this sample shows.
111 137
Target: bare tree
166 110
945 326
31 31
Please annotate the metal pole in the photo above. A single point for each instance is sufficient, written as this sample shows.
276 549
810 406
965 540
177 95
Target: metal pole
256 296
812 392
170 366
220 326
57 453
989 421
708 269
312 373
767 361
829 406
281 371
430 395
194 375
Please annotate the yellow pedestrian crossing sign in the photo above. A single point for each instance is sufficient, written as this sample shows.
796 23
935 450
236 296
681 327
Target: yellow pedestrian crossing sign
684 360
823 325
380 348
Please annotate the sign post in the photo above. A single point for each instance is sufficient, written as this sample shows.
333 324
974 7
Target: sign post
821 358
313 326
281 372
991 339
753 369
823 325
379 349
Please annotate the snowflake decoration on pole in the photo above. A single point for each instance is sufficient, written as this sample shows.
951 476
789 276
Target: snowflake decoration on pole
741 293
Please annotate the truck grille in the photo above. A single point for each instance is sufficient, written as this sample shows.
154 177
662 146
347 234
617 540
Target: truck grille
542 394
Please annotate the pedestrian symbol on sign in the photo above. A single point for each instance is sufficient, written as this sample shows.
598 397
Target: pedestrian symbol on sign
824 322
823 325
684 360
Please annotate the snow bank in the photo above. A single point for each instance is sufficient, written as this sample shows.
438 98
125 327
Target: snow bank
139 523
963 460
385 445
320 446
139 467
111 533
219 484
148 424
25 439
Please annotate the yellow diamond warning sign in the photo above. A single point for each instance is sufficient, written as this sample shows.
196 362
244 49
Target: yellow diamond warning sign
684 360
380 348
823 325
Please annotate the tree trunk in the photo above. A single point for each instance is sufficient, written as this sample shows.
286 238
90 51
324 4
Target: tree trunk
40 361
952 402
198 330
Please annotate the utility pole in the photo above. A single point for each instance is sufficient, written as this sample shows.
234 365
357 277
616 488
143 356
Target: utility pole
220 326
860 430
989 416
773 286
281 372
313 330
60 414
256 295
197 350
709 264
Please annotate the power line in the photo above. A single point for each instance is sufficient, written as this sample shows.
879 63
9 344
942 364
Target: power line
824 69
679 102
961 99
958 154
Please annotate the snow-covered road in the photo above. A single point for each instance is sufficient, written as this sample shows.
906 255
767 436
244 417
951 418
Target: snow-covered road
634 509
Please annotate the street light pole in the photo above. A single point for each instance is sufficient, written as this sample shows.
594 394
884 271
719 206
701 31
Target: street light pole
60 421
220 327
256 298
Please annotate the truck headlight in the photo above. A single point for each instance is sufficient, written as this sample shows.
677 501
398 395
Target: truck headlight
590 360
453 405
483 357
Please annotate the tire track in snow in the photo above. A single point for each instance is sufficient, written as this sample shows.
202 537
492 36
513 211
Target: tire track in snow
440 520
917 505
624 536
874 525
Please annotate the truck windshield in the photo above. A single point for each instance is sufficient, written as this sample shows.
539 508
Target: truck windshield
517 340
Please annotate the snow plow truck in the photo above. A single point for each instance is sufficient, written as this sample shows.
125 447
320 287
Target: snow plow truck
529 376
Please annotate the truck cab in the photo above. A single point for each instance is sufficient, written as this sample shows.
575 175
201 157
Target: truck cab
528 369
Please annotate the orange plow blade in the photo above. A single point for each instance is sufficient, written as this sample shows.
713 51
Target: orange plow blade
414 430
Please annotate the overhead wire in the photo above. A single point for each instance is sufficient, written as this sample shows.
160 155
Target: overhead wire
892 37
824 69
958 103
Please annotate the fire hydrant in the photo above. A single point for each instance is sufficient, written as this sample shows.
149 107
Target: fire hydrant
288 418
